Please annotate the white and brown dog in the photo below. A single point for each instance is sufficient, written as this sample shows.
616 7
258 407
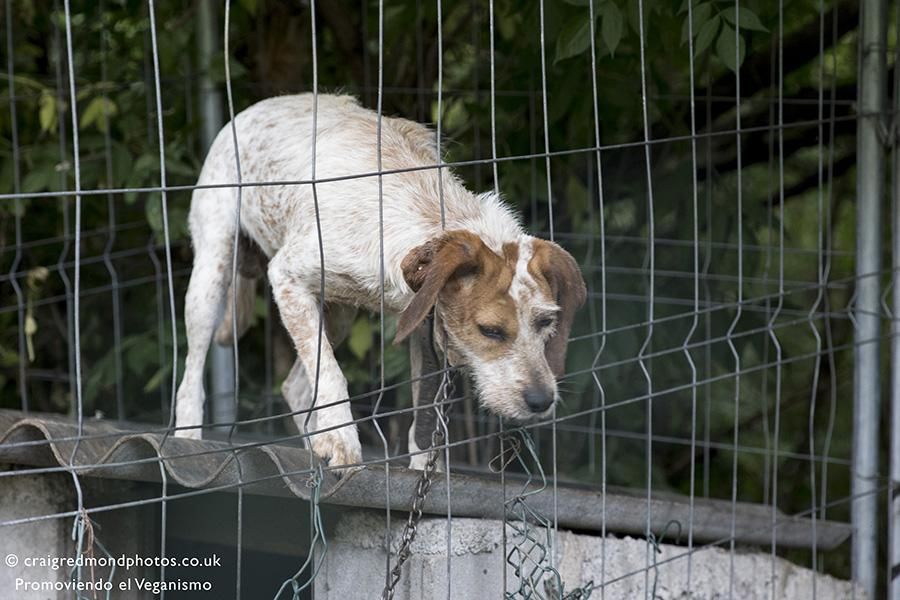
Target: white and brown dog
503 300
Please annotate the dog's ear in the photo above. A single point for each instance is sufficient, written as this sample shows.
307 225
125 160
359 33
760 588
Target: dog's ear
428 268
561 272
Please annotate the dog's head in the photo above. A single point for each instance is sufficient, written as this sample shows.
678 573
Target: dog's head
506 316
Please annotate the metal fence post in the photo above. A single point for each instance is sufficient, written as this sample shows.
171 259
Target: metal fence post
221 406
867 383
893 572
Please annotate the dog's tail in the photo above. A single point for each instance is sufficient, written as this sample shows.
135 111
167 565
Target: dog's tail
245 303
251 266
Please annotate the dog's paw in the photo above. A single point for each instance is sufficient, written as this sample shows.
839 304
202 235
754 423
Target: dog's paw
339 447
417 462
191 433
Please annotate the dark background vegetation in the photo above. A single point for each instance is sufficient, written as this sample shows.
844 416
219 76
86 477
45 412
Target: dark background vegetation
811 394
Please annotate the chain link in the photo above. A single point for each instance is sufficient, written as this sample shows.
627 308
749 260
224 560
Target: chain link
423 486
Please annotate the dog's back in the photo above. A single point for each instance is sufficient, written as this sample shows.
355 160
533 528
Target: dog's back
276 138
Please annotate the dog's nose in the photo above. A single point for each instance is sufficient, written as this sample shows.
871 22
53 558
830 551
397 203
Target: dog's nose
538 399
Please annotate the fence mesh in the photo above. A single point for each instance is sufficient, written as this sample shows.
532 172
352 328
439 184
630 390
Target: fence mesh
699 160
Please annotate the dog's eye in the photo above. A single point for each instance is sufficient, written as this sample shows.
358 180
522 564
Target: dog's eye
495 333
543 323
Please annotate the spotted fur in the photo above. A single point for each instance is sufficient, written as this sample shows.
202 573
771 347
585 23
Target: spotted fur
477 268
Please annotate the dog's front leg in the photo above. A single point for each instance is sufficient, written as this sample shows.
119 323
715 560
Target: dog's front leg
296 389
333 433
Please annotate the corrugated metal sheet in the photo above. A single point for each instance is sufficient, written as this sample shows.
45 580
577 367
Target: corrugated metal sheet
106 450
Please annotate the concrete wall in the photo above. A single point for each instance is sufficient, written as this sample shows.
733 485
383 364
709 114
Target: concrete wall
27 496
354 566
355 561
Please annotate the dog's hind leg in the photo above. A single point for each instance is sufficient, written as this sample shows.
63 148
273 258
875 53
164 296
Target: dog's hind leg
210 278
242 292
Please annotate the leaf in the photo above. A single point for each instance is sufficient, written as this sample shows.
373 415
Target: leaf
30 329
38 180
177 167
611 26
147 163
98 111
574 39
216 68
249 6
47 112
360 340
153 212
707 35
725 48
396 361
748 19
701 14
157 378
122 165
634 16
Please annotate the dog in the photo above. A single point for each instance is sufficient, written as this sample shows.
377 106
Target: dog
502 301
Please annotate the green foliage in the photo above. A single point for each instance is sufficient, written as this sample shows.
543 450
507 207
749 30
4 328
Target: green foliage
117 120
719 21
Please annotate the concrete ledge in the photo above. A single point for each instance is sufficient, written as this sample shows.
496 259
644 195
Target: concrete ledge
354 566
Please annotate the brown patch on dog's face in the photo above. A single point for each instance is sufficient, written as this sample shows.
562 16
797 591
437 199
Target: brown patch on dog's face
470 282
506 316
477 310
558 274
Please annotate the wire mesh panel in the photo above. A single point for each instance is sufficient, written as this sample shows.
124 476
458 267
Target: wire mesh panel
701 163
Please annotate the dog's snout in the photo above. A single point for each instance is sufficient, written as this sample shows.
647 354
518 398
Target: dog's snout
537 398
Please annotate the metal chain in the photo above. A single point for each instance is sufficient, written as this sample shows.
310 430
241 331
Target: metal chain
423 486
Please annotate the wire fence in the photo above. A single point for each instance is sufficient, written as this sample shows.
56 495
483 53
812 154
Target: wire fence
703 162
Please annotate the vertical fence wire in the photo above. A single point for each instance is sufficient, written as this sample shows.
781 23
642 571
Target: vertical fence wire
773 318
696 287
170 280
65 168
598 352
828 250
111 224
707 292
764 400
813 309
651 298
893 501
381 328
739 305
17 209
546 120
441 412
79 522
496 187
235 284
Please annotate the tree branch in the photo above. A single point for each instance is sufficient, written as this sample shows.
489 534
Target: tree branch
799 49
811 181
